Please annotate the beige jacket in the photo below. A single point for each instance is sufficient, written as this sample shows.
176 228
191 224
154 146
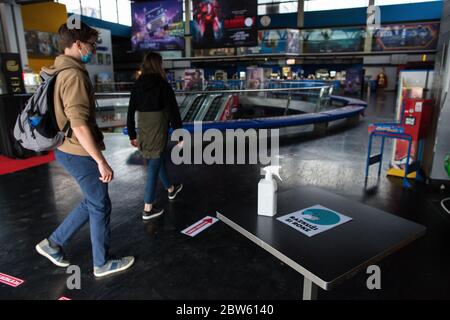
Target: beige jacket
74 101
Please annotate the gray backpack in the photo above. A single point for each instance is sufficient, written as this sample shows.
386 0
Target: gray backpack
36 127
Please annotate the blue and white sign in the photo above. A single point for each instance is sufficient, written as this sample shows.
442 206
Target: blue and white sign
314 220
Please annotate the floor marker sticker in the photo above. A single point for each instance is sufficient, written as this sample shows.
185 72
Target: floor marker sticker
199 226
10 280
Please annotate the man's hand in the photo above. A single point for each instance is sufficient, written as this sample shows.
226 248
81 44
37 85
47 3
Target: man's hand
180 144
134 143
87 141
106 172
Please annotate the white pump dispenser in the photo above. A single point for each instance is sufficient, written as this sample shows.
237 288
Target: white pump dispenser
267 192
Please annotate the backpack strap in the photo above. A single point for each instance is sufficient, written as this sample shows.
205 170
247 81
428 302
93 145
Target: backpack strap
67 130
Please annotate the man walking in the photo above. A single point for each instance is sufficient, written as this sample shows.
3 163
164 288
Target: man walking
81 153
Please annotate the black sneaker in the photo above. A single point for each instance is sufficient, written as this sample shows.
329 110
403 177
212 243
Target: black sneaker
176 188
155 212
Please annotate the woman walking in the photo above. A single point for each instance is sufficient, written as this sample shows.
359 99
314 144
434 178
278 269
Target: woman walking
154 100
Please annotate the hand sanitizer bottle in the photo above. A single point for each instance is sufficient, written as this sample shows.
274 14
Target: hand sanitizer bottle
267 192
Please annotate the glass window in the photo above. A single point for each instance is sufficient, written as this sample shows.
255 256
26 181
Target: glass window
109 10
72 6
90 8
124 11
277 6
390 2
321 5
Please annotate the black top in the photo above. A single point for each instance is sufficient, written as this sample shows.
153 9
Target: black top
330 257
152 93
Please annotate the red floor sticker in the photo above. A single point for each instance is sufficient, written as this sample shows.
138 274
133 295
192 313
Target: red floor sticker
199 226
10 281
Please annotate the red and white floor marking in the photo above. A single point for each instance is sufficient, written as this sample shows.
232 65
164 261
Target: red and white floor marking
10 280
199 226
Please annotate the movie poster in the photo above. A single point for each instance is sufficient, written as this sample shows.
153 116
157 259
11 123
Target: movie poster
353 81
423 36
41 43
333 40
279 41
224 23
157 25
254 80
193 80
275 41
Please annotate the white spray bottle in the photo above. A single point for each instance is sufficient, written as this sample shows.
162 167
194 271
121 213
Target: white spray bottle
267 192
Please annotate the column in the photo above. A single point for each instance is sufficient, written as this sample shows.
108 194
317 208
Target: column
301 21
13 33
301 14
187 29
369 26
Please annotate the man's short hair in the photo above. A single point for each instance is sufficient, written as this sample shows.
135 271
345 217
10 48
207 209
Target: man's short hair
68 36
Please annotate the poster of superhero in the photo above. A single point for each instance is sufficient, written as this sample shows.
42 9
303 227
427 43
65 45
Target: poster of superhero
224 23
157 25
423 36
333 40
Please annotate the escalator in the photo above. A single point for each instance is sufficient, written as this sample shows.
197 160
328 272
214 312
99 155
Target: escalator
215 108
187 101
203 107
190 112
209 101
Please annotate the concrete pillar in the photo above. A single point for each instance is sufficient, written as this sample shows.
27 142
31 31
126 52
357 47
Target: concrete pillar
369 29
301 21
301 14
437 143
13 32
187 29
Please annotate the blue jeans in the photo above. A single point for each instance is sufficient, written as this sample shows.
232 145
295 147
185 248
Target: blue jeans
95 208
155 167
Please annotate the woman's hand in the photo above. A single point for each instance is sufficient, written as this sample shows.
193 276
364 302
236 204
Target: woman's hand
180 144
134 142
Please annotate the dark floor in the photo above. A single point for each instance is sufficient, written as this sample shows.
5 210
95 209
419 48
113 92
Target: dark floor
218 263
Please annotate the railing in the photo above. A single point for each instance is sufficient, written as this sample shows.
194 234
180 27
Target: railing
316 96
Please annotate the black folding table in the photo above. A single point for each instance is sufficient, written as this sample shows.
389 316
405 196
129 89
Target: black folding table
328 258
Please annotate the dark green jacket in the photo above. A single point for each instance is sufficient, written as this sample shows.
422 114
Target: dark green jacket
157 110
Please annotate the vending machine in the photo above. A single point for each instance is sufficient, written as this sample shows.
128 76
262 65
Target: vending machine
414 112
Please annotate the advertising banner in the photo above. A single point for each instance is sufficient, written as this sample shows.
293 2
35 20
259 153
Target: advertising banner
275 41
41 43
333 40
415 36
255 78
157 25
101 67
193 79
353 81
220 23
11 71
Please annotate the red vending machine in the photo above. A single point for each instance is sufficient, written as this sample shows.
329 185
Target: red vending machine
416 120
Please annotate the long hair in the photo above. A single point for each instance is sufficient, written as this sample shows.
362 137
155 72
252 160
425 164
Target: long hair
153 64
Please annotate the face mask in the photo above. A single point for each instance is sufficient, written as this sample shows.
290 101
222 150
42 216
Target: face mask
87 57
